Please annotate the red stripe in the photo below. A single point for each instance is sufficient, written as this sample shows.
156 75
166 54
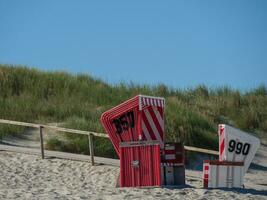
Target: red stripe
131 134
121 108
221 130
160 109
156 122
169 151
161 112
148 126
206 183
127 135
221 147
111 114
205 175
144 135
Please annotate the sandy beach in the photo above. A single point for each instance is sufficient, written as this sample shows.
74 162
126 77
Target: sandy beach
25 176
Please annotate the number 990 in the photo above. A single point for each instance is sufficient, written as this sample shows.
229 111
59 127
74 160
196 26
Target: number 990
238 147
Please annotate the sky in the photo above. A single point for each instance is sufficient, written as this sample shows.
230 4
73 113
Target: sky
178 43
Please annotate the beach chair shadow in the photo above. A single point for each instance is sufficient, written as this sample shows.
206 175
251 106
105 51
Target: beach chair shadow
246 191
255 166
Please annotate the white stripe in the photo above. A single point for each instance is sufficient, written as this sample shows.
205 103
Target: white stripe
155 130
150 101
152 97
221 135
170 156
147 101
159 118
170 147
140 101
170 164
155 102
144 129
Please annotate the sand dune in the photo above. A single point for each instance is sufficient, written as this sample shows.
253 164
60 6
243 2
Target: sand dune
28 177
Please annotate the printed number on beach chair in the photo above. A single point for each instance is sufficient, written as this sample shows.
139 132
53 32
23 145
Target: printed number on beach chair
237 146
139 118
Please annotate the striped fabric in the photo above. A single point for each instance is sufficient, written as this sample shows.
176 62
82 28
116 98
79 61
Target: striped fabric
107 121
206 175
173 153
222 174
221 142
152 124
139 118
151 101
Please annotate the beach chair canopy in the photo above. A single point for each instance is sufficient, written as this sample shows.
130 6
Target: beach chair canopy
139 118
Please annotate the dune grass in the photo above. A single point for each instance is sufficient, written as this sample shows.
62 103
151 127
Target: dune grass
77 101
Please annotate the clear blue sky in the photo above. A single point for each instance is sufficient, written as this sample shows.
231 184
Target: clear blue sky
178 43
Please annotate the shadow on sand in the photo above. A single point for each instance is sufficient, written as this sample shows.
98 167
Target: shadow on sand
235 190
246 191
257 167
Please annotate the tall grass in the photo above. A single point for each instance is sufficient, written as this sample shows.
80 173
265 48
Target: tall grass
77 101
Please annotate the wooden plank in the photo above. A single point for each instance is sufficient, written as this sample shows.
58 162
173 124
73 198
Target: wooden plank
64 155
60 129
104 135
138 143
200 150
68 130
41 142
226 163
3 121
91 148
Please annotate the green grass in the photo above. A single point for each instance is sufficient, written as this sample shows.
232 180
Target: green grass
77 101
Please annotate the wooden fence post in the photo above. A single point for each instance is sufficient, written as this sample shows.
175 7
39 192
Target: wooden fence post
41 142
91 148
